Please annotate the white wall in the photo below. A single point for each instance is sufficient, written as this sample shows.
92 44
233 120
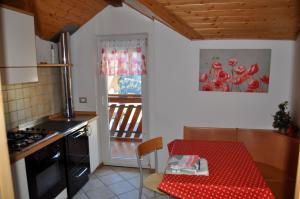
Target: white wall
110 21
173 68
43 51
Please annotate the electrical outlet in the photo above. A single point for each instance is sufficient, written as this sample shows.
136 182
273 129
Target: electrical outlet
82 100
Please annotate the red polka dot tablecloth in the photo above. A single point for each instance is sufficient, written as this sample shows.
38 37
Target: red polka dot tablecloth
232 173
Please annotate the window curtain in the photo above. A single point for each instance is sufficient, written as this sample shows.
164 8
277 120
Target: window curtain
123 57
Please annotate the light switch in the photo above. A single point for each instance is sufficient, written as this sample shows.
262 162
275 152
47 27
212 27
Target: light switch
82 100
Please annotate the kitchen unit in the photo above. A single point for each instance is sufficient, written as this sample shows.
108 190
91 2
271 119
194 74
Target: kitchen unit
29 179
17 47
49 158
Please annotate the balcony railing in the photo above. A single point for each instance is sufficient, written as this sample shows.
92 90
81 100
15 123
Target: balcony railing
125 117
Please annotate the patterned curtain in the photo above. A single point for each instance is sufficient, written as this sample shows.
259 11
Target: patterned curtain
123 57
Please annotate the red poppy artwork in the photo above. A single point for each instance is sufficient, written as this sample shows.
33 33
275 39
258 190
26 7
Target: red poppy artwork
235 70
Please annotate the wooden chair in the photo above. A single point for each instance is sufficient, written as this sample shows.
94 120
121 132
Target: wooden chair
152 181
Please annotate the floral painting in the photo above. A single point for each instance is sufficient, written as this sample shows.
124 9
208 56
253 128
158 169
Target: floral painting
235 70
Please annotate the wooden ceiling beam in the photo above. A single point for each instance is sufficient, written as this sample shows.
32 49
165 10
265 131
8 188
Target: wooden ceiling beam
115 3
134 4
211 19
252 24
251 36
230 6
175 22
239 12
25 5
185 2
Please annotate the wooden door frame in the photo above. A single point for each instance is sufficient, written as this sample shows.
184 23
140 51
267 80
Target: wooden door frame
297 188
102 104
6 185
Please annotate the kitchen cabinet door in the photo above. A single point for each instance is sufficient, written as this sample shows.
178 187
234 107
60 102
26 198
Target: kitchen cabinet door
17 47
94 146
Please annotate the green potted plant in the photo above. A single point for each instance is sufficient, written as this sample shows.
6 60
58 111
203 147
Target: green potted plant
283 121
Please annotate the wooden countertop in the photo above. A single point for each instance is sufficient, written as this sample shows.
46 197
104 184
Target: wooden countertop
79 116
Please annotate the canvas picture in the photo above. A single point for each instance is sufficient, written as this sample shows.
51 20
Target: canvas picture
235 70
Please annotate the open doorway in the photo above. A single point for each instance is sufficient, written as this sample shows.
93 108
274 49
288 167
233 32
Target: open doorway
125 114
122 83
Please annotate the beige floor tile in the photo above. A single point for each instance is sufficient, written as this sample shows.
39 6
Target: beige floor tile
80 195
128 174
101 193
148 193
111 178
93 183
104 171
162 197
131 195
93 176
111 182
135 182
121 187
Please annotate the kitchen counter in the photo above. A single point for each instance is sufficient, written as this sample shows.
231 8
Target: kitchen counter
79 116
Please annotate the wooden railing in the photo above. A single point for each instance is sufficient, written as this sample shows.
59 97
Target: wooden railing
125 117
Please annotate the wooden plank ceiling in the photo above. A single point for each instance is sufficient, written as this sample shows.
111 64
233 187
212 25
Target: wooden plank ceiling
195 19
232 19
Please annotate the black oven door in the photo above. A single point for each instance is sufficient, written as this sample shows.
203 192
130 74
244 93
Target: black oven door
77 147
46 171
78 164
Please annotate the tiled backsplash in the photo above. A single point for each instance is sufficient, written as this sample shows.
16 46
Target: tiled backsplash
29 101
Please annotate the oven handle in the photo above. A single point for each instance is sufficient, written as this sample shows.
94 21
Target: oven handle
77 135
81 173
56 156
49 161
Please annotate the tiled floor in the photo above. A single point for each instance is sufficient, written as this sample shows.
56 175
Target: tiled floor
115 183
125 150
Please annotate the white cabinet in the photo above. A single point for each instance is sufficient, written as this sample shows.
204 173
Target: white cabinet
18 170
94 146
17 47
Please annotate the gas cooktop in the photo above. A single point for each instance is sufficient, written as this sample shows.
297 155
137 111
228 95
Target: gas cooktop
20 139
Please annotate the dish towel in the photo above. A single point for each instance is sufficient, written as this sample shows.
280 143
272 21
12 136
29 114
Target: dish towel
188 165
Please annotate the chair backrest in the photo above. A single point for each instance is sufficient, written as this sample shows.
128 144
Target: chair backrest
149 146
213 134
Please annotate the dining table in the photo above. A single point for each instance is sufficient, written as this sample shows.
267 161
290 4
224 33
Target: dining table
232 173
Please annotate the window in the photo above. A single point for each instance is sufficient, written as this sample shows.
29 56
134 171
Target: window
124 62
124 84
